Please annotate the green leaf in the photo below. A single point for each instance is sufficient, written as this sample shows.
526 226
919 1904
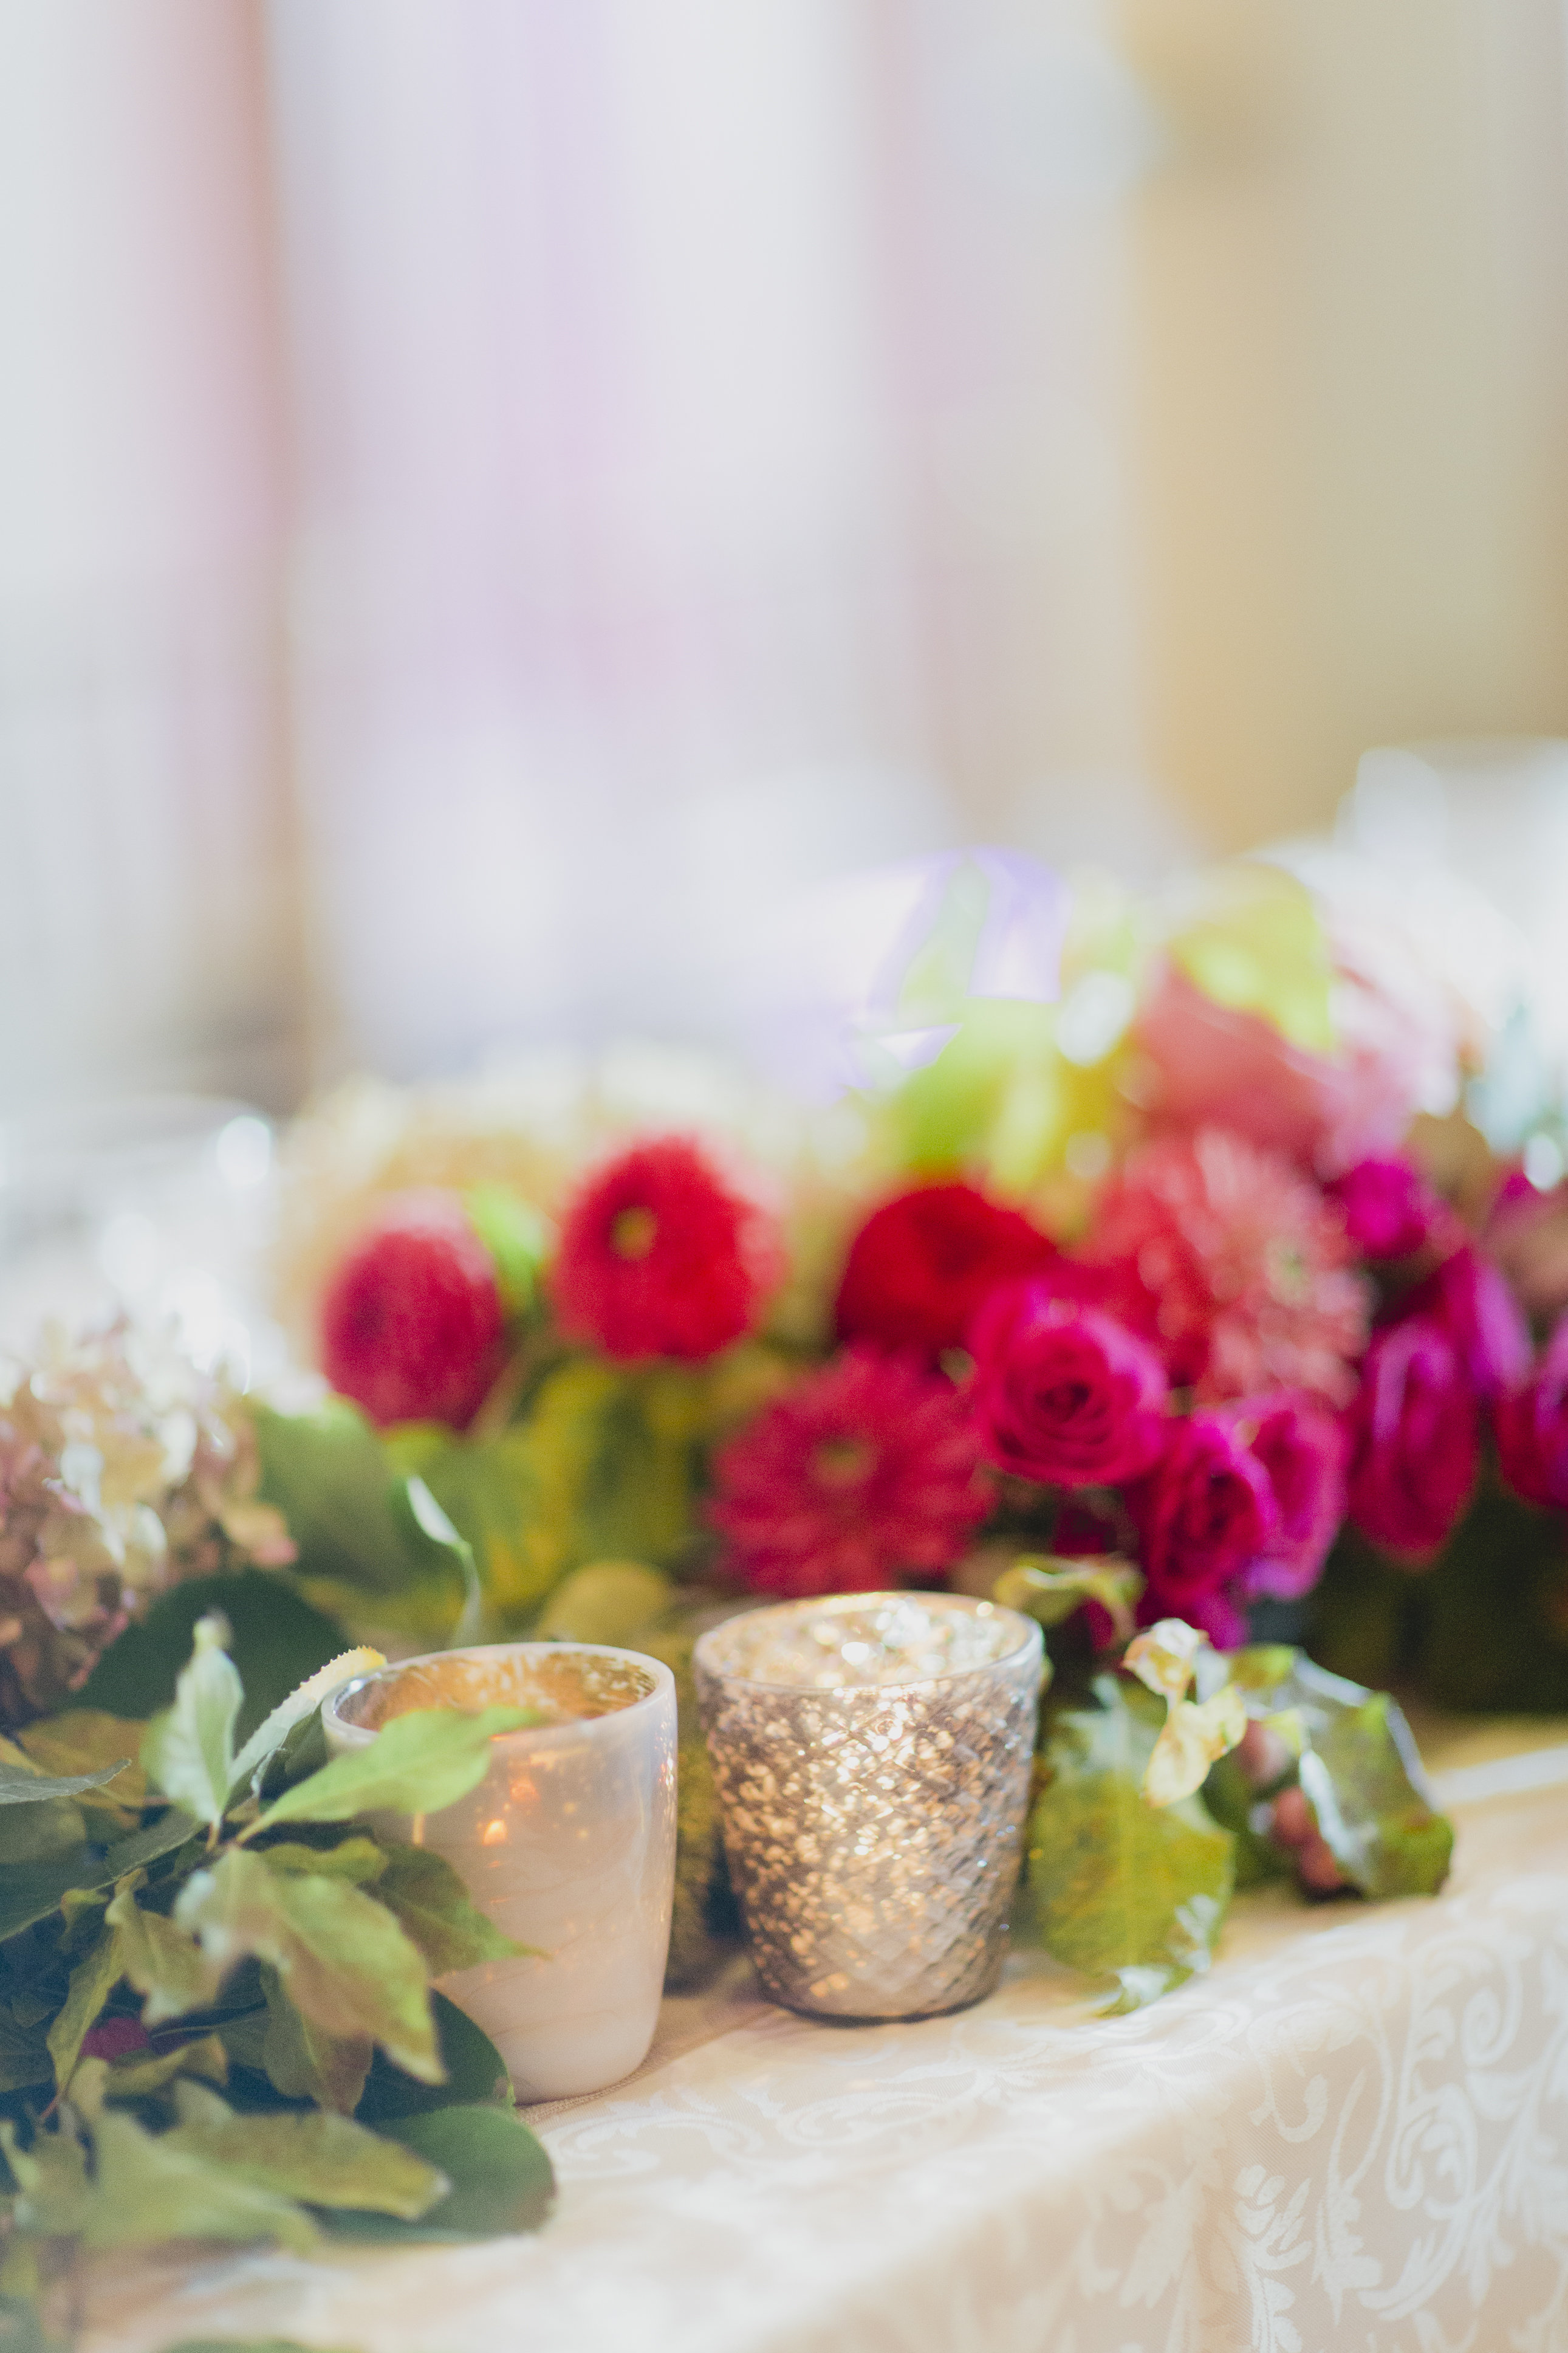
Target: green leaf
1229 1797
415 1764
151 2186
321 2160
270 1735
429 1900
188 1752
359 1858
304 2063
343 1961
476 2073
28 1785
36 1835
83 1741
1359 1768
136 2078
92 1981
161 1959
604 1601
53 2191
348 1511
1123 1888
277 1639
501 2178
518 1238
1051 1590
30 1893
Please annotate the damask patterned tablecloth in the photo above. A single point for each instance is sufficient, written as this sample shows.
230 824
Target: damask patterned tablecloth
1351 2134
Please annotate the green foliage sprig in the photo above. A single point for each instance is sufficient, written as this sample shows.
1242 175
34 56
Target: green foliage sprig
217 2019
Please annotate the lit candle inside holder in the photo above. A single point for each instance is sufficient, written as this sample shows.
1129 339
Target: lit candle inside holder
872 1754
568 1844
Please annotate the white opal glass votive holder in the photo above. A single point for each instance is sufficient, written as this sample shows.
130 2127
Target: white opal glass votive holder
567 1844
873 1754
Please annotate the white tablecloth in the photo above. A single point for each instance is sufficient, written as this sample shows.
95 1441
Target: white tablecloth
1351 2134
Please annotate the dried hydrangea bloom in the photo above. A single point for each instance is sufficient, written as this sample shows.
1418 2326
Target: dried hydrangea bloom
122 1468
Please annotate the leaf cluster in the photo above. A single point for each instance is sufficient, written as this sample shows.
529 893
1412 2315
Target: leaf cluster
1132 1892
216 2014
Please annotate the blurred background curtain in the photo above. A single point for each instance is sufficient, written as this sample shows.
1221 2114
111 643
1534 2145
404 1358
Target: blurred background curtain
496 498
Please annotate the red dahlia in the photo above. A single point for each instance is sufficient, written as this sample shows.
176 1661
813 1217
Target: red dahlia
411 1326
865 1474
662 1256
922 1263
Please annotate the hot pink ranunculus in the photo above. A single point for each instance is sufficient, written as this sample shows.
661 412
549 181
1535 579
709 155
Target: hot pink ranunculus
1531 1423
1412 1439
1062 1394
1472 1303
1301 1446
1205 1514
1389 1211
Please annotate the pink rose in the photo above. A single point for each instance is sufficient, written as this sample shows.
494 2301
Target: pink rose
1473 1304
1389 1211
1205 1514
1531 1423
1412 1439
1061 1393
1301 1446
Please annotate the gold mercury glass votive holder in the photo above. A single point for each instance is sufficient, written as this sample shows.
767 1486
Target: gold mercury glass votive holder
873 1754
568 1843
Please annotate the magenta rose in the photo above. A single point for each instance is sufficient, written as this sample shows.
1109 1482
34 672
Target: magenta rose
1205 1514
1061 1393
1413 1439
1389 1211
1301 1446
1471 1302
1531 1423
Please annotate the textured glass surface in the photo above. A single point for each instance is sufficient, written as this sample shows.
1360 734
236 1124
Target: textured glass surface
872 1754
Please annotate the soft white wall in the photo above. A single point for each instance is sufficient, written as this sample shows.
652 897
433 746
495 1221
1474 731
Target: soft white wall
149 927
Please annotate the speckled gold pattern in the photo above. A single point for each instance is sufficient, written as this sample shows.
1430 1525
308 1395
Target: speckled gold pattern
873 1827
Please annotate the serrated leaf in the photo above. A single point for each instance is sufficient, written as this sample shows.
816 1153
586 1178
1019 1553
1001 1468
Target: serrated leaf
136 2078
1120 1889
303 2062
343 1961
92 1981
500 2176
433 1908
476 2073
188 1751
161 1959
321 2160
415 1764
1051 1590
277 1639
29 1892
273 1731
359 1858
149 2187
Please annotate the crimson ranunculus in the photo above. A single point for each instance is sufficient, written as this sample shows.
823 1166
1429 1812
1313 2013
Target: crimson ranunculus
411 1324
1301 1446
1389 1211
1470 1300
1061 1393
1205 1514
1531 1427
1413 1439
662 1255
922 1263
